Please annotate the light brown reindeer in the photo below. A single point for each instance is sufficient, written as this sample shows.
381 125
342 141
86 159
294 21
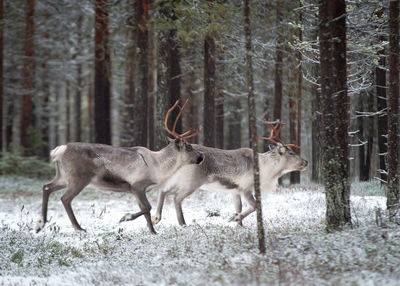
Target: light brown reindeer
232 170
118 169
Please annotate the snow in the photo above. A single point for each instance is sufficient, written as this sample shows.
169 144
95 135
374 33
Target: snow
209 251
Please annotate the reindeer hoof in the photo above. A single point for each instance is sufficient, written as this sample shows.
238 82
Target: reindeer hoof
39 225
126 217
155 219
237 218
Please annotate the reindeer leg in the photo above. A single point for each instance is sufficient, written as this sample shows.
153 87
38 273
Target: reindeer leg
72 191
179 197
49 188
238 206
160 204
139 190
252 202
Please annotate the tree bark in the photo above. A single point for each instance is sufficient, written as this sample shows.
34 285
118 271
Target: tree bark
67 113
334 111
152 84
295 176
78 93
381 103
209 92
278 66
253 128
102 85
2 129
128 108
393 108
174 75
28 75
235 125
141 104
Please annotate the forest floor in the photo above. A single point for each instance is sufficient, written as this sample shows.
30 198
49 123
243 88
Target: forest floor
209 251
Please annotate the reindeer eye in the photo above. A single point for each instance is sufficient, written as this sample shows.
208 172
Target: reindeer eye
189 147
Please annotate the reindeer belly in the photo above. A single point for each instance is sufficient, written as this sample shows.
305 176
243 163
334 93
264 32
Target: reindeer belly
220 184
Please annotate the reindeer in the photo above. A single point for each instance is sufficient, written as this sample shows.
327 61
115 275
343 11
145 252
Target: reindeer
118 169
232 170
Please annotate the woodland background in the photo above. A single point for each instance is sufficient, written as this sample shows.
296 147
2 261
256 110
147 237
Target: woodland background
106 71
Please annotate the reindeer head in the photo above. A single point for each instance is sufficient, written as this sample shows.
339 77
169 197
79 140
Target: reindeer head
184 150
287 159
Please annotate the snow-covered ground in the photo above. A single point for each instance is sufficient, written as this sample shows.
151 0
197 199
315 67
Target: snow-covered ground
209 251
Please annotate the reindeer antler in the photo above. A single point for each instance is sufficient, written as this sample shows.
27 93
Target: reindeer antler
186 135
275 130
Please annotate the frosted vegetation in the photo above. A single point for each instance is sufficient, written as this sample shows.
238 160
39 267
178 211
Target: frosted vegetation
209 251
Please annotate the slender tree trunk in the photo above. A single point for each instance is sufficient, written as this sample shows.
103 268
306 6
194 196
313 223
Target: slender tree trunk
102 85
141 104
128 108
316 122
90 109
209 92
152 85
67 113
78 93
28 75
393 195
253 127
235 125
2 129
292 129
295 176
366 134
278 66
161 99
174 75
381 102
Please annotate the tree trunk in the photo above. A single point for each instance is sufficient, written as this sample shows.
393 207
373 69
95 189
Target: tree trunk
174 75
295 176
78 93
152 85
141 104
365 134
91 110
161 98
2 129
342 104
393 108
209 92
278 66
67 113
235 125
381 103
28 76
334 111
102 86
253 127
128 109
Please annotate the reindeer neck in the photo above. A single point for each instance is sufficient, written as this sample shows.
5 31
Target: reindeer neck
167 161
269 166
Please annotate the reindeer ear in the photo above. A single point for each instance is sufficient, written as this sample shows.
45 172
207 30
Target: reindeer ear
179 143
281 148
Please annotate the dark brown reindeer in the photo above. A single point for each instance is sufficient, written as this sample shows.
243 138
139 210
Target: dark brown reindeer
232 170
118 169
